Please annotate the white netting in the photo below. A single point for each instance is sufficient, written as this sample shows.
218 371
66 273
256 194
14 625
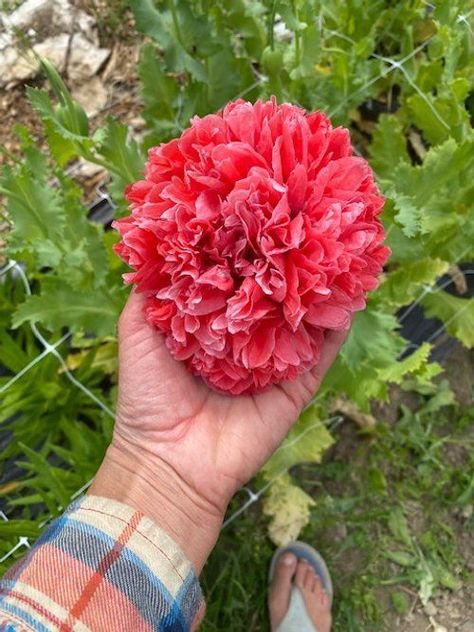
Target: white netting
52 348
253 496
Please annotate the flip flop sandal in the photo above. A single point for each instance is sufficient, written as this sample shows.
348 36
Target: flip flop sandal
296 619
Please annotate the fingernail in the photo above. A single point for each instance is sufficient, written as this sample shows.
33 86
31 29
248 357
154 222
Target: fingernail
288 559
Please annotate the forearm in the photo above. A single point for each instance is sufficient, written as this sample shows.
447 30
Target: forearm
102 565
149 485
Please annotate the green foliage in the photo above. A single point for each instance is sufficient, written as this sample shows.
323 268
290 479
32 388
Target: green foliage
399 75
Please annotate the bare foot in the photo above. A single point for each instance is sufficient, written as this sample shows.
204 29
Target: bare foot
291 571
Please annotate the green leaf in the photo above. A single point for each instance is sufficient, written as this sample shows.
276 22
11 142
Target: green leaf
408 215
34 207
456 313
224 78
27 528
306 442
413 192
47 474
60 306
398 525
12 355
401 558
159 91
388 147
439 118
123 154
372 339
289 510
405 284
412 364
170 30
41 102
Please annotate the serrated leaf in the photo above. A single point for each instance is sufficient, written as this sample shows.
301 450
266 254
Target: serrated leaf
60 306
438 118
441 165
62 149
158 90
372 339
404 285
35 208
123 155
41 102
416 191
289 510
48 255
456 313
388 147
408 215
305 443
413 363
224 78
169 32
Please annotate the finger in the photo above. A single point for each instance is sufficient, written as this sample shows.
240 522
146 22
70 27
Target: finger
333 341
132 316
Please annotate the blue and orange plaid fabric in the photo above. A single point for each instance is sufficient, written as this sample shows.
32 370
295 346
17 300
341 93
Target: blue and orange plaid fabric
101 566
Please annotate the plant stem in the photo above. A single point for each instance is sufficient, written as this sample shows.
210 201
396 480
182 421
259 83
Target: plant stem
177 28
271 27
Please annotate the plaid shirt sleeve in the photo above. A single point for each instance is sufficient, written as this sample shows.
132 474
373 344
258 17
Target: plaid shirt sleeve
101 567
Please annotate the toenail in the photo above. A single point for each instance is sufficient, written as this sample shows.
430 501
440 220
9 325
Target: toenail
288 559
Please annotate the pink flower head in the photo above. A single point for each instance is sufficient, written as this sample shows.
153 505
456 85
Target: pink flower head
251 235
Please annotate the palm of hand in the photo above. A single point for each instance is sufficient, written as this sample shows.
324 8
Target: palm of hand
212 442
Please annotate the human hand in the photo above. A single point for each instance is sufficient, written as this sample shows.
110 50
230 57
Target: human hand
181 450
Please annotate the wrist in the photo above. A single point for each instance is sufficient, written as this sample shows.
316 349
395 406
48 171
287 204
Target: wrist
150 485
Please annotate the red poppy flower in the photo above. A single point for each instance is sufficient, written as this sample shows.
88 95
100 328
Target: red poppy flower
251 235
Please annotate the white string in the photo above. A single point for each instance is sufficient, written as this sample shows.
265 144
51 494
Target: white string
51 349
383 74
255 496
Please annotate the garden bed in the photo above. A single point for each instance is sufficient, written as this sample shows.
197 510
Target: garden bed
394 495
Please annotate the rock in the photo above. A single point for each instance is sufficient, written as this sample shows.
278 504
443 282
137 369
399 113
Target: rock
92 95
16 67
85 59
48 25
84 169
467 626
430 609
55 49
49 17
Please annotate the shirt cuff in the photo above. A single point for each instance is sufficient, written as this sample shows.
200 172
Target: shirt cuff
102 566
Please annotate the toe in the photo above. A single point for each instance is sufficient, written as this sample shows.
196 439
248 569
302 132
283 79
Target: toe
284 571
309 579
300 576
314 582
279 593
